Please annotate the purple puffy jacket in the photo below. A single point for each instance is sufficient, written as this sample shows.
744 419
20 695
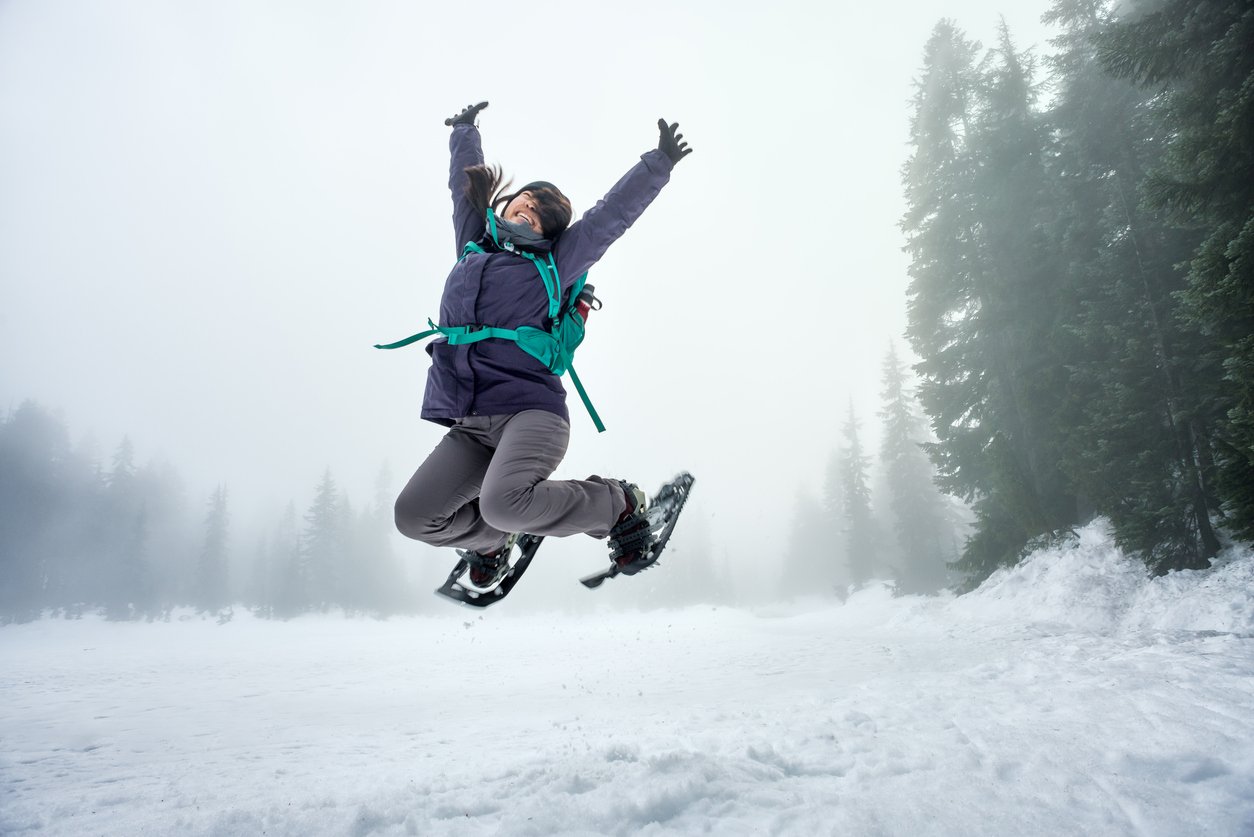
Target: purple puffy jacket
495 377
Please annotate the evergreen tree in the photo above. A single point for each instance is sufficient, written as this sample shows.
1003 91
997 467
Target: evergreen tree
170 539
213 573
258 594
985 304
918 516
1196 59
856 518
34 453
122 475
376 582
129 595
831 538
944 306
350 585
322 548
119 572
1023 304
1138 446
283 588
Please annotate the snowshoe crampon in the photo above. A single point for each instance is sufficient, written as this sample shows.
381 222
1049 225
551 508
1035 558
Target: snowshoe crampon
662 515
458 587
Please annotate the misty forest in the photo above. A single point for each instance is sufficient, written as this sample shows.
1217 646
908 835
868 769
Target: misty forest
992 572
1081 317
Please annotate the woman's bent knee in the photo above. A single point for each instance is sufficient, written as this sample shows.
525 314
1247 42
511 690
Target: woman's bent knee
413 524
505 511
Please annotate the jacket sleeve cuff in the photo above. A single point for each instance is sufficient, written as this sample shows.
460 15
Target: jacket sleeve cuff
657 161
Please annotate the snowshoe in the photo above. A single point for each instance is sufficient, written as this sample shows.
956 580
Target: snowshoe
482 580
637 541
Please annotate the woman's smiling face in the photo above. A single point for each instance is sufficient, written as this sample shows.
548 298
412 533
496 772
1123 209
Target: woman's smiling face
523 210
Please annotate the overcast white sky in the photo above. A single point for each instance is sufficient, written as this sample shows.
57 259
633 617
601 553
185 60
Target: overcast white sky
209 212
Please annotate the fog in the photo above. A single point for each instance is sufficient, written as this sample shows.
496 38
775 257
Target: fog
210 212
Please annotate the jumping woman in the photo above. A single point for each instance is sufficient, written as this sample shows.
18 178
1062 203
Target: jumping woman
487 481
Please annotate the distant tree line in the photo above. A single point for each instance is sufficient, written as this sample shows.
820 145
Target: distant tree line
77 535
1082 278
879 517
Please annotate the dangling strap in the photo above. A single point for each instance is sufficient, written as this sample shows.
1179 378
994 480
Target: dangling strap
583 396
422 335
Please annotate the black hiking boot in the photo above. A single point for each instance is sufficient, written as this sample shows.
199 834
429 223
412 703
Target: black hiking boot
632 535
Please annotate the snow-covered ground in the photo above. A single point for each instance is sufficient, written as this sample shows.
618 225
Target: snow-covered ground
1069 696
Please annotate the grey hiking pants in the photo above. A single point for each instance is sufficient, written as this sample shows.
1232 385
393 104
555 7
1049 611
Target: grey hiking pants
489 476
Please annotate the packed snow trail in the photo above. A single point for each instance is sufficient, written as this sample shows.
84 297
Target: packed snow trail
1069 696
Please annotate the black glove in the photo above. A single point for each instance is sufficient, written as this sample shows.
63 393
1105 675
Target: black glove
669 142
467 116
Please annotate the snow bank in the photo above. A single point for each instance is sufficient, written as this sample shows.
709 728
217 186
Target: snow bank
1221 599
1090 584
1086 583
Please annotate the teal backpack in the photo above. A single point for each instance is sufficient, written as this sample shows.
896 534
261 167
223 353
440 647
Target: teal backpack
554 348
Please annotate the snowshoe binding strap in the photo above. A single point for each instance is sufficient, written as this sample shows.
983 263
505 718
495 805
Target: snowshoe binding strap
484 571
632 537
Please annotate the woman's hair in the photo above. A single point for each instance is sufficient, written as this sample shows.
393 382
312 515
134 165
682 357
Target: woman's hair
484 189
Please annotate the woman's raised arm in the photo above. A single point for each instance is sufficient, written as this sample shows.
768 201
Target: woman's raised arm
586 240
465 150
